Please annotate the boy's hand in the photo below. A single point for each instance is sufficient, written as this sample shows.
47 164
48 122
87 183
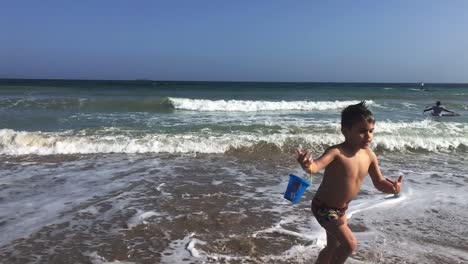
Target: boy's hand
304 159
396 184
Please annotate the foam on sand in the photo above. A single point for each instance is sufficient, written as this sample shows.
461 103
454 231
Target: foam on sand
95 258
140 218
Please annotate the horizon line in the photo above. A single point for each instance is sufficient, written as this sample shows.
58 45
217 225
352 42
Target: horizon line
229 81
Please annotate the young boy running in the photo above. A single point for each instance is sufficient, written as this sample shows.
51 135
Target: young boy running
346 165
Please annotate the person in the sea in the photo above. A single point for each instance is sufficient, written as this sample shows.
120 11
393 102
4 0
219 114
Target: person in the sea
437 109
346 165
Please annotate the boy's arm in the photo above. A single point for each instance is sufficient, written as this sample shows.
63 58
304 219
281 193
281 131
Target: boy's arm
382 184
314 166
446 110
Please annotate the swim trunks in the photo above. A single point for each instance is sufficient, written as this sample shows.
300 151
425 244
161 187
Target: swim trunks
326 214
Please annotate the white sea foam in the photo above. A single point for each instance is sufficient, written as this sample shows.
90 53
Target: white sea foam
44 194
21 143
185 251
254 106
402 143
410 105
278 229
140 218
427 127
191 246
95 258
394 137
390 200
180 252
214 182
159 188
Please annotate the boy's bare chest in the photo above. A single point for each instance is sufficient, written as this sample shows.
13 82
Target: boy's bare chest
356 166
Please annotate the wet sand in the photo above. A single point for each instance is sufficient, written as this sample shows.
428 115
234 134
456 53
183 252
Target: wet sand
208 209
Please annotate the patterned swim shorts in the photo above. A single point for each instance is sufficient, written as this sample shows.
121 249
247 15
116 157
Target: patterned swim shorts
326 214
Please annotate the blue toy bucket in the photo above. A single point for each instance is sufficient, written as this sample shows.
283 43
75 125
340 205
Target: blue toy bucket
296 188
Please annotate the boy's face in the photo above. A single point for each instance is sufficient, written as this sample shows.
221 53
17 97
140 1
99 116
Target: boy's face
360 134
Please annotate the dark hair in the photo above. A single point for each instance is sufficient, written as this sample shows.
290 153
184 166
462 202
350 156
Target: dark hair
438 103
353 114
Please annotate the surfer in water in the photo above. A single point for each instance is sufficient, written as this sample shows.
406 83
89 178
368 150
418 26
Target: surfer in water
438 109
423 89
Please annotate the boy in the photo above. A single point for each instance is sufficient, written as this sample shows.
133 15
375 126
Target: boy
346 165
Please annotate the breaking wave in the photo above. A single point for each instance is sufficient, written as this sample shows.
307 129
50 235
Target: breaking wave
168 104
254 106
49 143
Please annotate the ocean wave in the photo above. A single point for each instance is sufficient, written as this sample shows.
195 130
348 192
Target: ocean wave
51 143
88 104
422 128
169 104
255 106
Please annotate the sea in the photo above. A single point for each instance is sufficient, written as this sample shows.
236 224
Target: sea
195 172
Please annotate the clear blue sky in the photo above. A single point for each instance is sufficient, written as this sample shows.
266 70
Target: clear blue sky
294 40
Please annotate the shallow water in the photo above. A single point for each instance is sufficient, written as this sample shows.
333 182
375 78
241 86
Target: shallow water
95 172
210 208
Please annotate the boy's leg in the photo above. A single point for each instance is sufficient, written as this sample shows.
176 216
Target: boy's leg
345 238
328 251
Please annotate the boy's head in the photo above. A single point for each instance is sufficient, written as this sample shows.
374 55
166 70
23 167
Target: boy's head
353 114
438 103
357 125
